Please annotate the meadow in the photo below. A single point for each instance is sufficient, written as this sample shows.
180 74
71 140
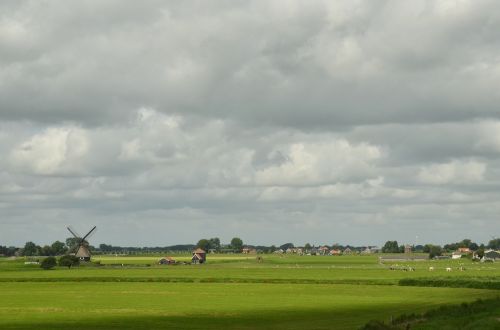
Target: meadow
234 291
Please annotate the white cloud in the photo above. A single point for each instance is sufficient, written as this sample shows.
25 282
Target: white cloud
455 172
56 151
320 162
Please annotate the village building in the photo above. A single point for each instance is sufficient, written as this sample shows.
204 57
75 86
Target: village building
347 251
323 250
464 250
491 255
248 250
335 252
408 249
199 256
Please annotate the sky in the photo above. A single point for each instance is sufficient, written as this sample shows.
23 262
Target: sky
163 122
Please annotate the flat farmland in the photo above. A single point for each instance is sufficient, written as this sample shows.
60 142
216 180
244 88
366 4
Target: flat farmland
231 291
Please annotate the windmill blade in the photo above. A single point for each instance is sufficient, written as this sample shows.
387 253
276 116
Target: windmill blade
73 232
89 233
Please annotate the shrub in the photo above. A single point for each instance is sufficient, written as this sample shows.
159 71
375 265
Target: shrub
48 263
68 261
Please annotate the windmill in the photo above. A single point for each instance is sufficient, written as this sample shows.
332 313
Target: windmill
81 246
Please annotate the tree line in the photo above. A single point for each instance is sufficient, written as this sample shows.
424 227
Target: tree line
437 250
236 245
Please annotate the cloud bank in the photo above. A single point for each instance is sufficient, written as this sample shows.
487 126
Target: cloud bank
346 122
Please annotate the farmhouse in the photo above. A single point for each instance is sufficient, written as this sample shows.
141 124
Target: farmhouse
347 251
491 255
335 252
248 250
370 250
323 250
199 256
166 261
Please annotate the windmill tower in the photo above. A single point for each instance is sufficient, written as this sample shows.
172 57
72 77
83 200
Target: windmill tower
81 246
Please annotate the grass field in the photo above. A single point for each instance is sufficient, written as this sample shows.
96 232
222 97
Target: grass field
231 291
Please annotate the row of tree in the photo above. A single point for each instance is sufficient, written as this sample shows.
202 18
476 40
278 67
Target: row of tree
236 245
213 244
437 250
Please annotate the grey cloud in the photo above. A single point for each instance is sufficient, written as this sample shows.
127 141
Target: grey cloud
318 64
339 121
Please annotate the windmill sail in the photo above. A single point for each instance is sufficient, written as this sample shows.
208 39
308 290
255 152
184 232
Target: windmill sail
81 245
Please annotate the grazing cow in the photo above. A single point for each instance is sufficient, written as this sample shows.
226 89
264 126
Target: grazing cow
448 269
431 269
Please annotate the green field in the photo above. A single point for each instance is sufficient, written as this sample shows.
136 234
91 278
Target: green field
231 291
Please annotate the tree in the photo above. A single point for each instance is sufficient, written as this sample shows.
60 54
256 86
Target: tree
494 244
214 243
391 247
69 261
48 263
434 251
307 247
286 246
8 251
203 244
30 249
46 250
58 248
105 248
480 253
237 244
72 242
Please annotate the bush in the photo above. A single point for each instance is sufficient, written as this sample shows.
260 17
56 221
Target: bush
48 263
68 261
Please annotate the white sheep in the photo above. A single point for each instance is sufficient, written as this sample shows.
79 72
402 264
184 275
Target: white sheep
431 269
448 269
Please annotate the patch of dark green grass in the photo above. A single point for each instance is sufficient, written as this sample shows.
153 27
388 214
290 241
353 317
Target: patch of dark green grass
492 283
481 314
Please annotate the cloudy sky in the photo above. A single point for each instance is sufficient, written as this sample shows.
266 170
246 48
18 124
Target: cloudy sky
276 121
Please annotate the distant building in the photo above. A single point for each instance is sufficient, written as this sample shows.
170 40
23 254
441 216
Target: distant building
166 261
408 249
456 255
347 251
323 250
199 256
491 255
248 250
335 252
464 250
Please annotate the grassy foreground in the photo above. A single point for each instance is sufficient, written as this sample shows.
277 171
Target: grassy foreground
234 292
211 306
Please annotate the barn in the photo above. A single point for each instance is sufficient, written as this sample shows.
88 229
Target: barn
166 261
491 255
199 256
